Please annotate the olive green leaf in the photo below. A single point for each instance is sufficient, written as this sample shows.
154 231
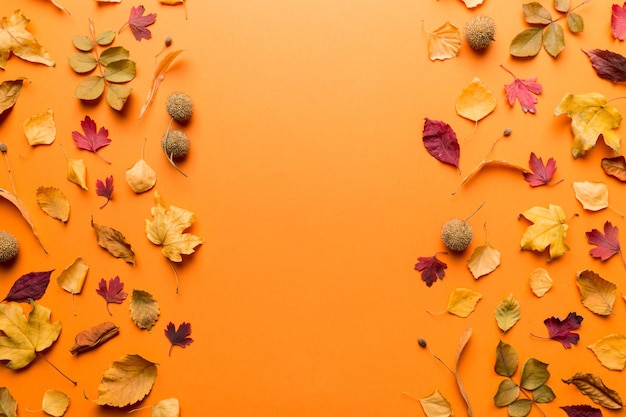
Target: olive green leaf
534 374
507 313
527 43
83 62
562 5
592 386
117 95
9 93
520 408
536 14
112 54
553 39
105 38
8 405
508 391
120 71
543 394
82 43
506 359
575 23
90 88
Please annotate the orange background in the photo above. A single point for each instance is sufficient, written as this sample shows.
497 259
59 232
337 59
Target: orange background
315 196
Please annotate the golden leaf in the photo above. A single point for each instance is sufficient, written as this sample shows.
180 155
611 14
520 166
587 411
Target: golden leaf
14 38
158 77
444 42
54 203
476 101
540 281
591 118
593 196
484 260
9 93
462 302
77 172
12 198
549 229
472 3
55 402
436 405
141 177
114 241
169 407
126 381
40 129
144 309
611 351
8 405
507 313
596 293
73 277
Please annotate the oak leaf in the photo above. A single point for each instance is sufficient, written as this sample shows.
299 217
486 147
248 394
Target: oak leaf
607 243
523 90
31 286
476 101
462 302
441 142
178 337
114 242
14 38
549 229
436 405
94 337
113 292
55 402
540 281
54 203
158 77
144 309
618 21
91 140
596 293
127 381
591 118
608 65
507 313
169 407
8 405
611 351
444 42
431 268
593 387
561 329
40 128
593 196
615 167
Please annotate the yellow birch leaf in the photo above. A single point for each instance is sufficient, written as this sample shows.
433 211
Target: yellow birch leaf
8 405
549 229
444 42
141 177
476 101
127 381
507 313
73 277
591 118
593 196
169 407
77 172
14 38
484 260
611 351
55 402
40 128
462 302
470 4
436 405
540 281
54 203
596 293
144 309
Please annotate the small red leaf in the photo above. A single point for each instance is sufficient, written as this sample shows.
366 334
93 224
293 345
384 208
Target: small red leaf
105 189
541 174
618 21
524 90
139 23
560 330
114 293
91 140
582 411
178 337
608 65
441 142
607 243
431 269
29 286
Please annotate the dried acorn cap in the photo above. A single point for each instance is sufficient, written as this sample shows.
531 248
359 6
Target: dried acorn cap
175 144
456 234
179 106
8 246
479 32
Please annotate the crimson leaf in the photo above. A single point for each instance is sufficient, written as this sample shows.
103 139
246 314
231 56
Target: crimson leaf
582 411
607 243
441 142
105 189
560 330
113 293
431 268
618 21
139 23
91 140
525 91
608 65
178 337
541 174
31 286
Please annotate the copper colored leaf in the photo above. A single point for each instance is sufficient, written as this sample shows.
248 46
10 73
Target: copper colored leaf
31 286
611 351
561 330
583 410
114 241
436 405
158 77
54 203
144 309
9 93
441 142
40 128
113 292
11 198
178 337
541 174
14 38
431 269
8 405
607 243
444 42
592 386
596 293
94 337
608 64
615 167
127 381
73 277
476 101
618 21
460 348
55 403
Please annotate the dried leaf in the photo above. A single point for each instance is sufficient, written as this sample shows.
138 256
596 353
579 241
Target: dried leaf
73 277
436 405
83 62
561 330
472 3
507 313
520 407
527 43
611 351
463 340
476 101
77 172
8 405
484 260
11 198
40 129
581 411
92 140
9 93
14 38
94 337
431 269
508 392
54 203
596 293
462 302
616 167
117 95
127 381
158 77
178 337
105 189
534 374
31 286
90 88
536 14
607 243
553 39
608 65
169 407
114 241
540 281
140 177
543 394
55 403
593 196
523 90
113 292
618 21
592 386
441 142
575 22
139 23
444 42
549 229
144 309
541 174
506 359
120 71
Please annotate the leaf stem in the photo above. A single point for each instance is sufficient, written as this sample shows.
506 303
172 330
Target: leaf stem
3 148
57 369
507 70
175 273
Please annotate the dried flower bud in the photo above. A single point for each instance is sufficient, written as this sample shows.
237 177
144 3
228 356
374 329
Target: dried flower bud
507 132
421 342
168 41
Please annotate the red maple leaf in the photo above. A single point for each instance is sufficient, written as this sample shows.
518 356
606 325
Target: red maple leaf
178 337
618 21
114 293
441 142
431 268
608 65
524 90
139 23
91 140
607 243
560 330
105 189
541 174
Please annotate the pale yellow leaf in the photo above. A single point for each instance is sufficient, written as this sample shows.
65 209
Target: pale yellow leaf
462 302
40 129
593 196
484 259
444 42
611 351
55 402
436 405
141 177
170 407
472 3
73 277
540 282
596 293
77 172
14 38
549 229
476 101
507 313
54 203
127 381
144 309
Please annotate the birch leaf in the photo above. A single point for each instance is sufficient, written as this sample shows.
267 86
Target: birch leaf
444 42
593 387
462 302
114 241
611 351
55 403
507 313
8 405
484 260
158 77
40 129
593 196
596 293
169 407
476 101
77 172
73 277
436 405
540 282
141 177
54 203
14 38
144 309
127 381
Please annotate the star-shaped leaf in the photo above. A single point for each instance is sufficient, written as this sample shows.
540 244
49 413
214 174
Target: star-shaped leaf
618 21
139 23
549 229
561 330
92 140
178 337
105 189
541 174
14 38
444 42
113 293
431 269
607 243
524 90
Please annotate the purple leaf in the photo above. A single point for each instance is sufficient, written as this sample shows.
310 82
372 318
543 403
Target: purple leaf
560 330
441 142
178 337
31 286
582 411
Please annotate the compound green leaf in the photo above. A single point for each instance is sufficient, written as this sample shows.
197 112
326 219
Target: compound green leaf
506 359
508 392
554 39
534 374
536 14
90 88
112 54
120 71
527 43
543 394
117 95
83 62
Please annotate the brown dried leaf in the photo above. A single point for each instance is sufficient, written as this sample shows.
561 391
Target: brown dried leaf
54 203
94 337
114 241
11 198
592 386
615 167
9 93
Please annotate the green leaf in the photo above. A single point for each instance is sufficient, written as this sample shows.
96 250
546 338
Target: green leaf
120 71
543 394
82 43
554 39
83 62
117 95
507 313
112 54
508 392
105 38
536 14
520 408
562 5
90 88
506 359
527 43
534 374
575 23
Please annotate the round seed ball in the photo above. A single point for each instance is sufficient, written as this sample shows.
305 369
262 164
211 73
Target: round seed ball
175 144
179 106
8 246
479 32
456 234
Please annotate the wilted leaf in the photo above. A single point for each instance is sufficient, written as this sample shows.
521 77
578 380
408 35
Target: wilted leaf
615 167
540 282
476 101
506 359
561 330
441 142
508 392
114 241
593 196
463 340
608 64
170 407
14 38
55 402
9 93
462 302
158 77
436 405
40 129
611 351
73 277
92 140
525 91
444 42
77 172
431 269
607 243
520 407
31 286
11 198
113 292
536 14
592 386
484 260
618 21
178 337
553 39
94 337
591 118
581 411
144 309
507 313
549 229
126 381
8 405
541 174
105 189
596 293
54 203
90 88
534 374
527 43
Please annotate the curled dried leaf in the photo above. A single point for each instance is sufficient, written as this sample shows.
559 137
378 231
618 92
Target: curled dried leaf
592 386
94 337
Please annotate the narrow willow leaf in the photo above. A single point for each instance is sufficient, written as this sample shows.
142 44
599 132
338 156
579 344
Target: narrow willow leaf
527 43
506 359
120 71
534 374
554 39
507 313
159 75
117 95
113 54
592 386
90 88
436 405
82 43
106 37
82 62
508 392
543 394
520 408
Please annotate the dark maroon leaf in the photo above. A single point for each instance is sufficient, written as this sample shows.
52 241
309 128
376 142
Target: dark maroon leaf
615 167
431 269
31 286
608 65
105 189
560 330
178 337
582 411
441 142
607 243
541 174
113 293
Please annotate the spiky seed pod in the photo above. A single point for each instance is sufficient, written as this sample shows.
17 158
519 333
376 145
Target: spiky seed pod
479 32
8 246
456 234
179 106
175 144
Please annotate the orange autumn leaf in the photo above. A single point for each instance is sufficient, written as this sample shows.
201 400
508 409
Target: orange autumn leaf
444 42
476 101
127 381
611 351
158 77
114 241
596 293
14 38
54 203
462 302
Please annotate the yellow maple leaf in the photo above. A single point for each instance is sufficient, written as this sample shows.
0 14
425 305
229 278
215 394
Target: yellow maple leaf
476 101
591 118
549 229
444 42
593 196
14 38
462 302
611 351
